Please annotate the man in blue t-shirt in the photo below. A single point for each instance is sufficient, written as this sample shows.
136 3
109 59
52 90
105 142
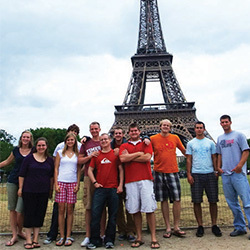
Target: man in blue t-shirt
233 151
201 175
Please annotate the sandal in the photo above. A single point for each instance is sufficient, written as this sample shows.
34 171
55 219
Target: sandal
11 243
179 233
36 244
28 245
68 242
60 242
167 234
155 245
137 244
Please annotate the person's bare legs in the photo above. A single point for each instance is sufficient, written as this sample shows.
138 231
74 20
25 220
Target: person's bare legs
28 232
87 222
61 218
198 213
165 213
138 226
13 225
177 214
152 225
70 215
20 225
213 213
36 234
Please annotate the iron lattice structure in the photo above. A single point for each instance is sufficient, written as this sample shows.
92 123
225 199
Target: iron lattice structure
152 63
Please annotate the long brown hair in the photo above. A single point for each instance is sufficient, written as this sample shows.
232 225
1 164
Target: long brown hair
75 147
46 153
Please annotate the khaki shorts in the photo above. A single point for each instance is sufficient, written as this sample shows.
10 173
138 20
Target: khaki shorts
15 203
88 192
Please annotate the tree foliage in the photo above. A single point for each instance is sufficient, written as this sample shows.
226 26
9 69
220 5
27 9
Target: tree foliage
6 146
182 164
54 136
4 136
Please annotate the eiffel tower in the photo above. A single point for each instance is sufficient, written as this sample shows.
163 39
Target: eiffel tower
152 63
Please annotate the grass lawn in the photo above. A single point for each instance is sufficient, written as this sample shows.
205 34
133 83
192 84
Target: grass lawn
187 216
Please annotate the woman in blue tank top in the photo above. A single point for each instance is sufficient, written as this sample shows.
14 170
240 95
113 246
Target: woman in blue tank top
15 203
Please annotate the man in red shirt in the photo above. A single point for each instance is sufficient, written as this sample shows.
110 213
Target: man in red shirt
139 183
126 226
89 150
107 189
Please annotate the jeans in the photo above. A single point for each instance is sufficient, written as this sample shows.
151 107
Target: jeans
53 232
103 196
235 185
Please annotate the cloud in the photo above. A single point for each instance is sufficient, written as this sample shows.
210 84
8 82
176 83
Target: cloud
242 94
204 26
56 27
214 82
56 92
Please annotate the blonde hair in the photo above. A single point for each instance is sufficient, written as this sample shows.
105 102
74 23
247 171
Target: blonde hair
166 120
31 143
105 134
75 147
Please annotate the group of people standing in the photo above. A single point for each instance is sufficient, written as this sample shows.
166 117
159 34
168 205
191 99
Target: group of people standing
30 185
118 170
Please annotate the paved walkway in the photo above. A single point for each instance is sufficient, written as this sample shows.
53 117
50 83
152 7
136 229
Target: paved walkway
207 242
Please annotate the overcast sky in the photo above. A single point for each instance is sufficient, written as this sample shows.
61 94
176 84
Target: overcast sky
64 62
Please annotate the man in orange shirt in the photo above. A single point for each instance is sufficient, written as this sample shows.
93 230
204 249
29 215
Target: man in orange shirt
166 178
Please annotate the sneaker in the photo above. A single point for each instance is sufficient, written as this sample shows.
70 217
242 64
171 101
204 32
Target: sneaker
200 231
237 232
122 237
47 241
85 242
216 231
131 238
90 246
109 245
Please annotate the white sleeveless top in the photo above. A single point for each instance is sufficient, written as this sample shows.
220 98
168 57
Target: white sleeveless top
67 171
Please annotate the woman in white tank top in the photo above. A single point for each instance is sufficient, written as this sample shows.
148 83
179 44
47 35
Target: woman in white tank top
67 182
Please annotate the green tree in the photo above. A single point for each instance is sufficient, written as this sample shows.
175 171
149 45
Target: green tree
4 136
182 165
6 147
54 136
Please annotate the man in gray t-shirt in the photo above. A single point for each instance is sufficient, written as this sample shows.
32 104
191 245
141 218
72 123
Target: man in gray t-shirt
233 150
